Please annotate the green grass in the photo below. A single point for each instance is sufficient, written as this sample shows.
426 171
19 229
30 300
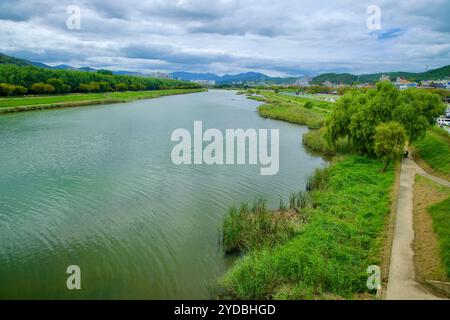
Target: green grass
331 253
318 97
434 148
441 225
42 102
295 109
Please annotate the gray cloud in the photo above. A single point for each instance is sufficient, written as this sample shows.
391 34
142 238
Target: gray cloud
276 37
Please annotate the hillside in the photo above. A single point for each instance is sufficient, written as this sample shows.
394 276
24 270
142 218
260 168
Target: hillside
347 78
4 59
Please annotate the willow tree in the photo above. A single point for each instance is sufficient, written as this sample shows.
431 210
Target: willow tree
390 140
357 115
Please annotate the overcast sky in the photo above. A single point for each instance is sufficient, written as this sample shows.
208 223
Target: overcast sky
276 37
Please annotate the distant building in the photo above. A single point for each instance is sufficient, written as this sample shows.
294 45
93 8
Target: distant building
205 82
160 75
444 84
303 82
385 77
328 83
403 84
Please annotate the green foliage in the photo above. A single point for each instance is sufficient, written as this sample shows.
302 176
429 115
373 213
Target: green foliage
84 87
390 140
309 105
318 89
331 253
292 109
346 78
19 90
107 72
357 114
6 89
441 225
11 90
315 141
121 87
69 80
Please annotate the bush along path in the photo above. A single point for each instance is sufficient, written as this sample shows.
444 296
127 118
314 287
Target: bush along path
402 283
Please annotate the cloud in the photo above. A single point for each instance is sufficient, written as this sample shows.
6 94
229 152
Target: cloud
281 37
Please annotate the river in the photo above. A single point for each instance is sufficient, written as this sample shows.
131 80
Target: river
95 187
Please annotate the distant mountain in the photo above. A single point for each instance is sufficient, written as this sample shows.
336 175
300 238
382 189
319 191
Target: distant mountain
247 77
254 77
87 69
39 64
4 59
61 67
128 73
347 78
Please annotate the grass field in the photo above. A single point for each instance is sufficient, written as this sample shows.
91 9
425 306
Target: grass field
69 100
434 149
330 255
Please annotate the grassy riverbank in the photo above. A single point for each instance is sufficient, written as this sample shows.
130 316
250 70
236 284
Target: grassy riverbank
294 109
329 255
329 233
71 100
433 152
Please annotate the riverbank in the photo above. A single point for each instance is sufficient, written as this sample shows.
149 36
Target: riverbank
293 109
329 255
325 249
29 103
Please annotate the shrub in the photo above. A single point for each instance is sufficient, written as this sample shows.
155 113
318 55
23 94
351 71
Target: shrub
390 139
84 87
19 90
6 89
121 87
309 104
42 88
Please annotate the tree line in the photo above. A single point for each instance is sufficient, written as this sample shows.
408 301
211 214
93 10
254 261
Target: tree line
21 80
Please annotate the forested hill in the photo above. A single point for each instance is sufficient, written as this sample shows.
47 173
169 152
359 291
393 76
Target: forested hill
347 78
4 59
19 77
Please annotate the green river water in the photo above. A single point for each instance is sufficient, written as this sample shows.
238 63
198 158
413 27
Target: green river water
96 187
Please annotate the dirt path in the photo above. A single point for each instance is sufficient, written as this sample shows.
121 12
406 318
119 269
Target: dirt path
402 284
